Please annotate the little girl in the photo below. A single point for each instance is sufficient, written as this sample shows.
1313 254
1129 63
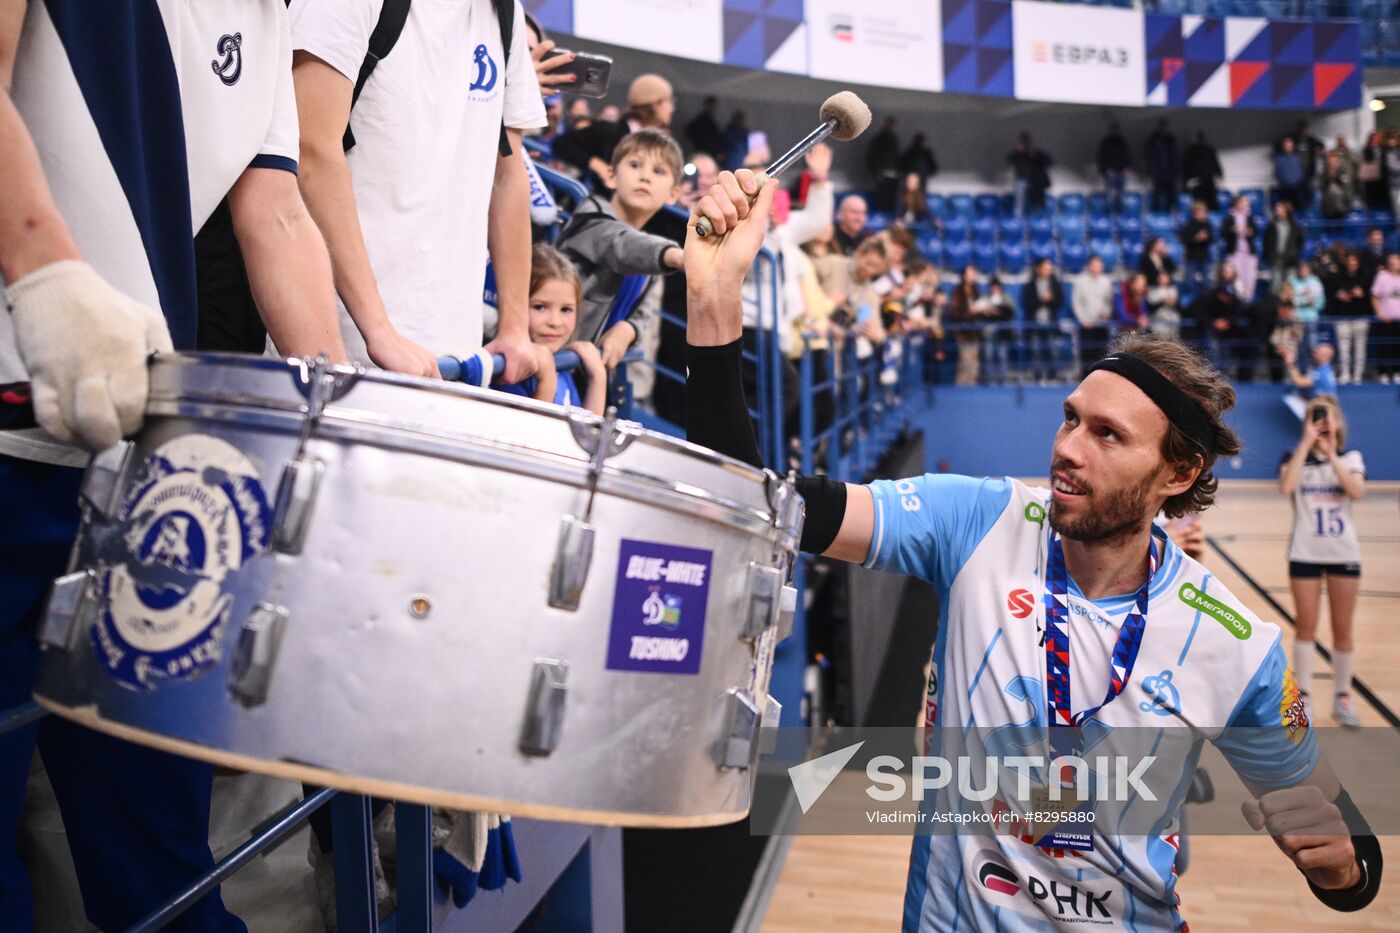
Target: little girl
555 295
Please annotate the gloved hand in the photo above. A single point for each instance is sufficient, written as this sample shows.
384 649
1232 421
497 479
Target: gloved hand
85 345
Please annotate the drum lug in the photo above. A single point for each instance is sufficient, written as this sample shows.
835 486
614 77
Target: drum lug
296 494
787 608
588 431
764 596
783 500
251 670
72 608
572 559
742 721
544 710
102 481
772 716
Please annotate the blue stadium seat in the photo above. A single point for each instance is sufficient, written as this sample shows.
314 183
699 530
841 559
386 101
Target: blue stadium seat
1132 203
1107 250
1100 227
955 229
1013 230
960 205
984 257
1357 223
1046 250
878 220
1184 202
931 246
1072 227
1098 204
1071 204
1160 225
1012 258
1176 251
1130 225
1132 253
1073 256
1223 197
1008 204
987 205
955 256
984 230
1041 227
937 205
1258 200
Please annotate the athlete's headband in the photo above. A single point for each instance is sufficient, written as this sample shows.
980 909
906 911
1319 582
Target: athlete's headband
1175 404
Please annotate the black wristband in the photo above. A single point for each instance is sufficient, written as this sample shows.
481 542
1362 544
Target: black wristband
1368 858
825 501
716 412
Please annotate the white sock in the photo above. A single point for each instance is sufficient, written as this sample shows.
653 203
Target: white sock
1343 665
1303 654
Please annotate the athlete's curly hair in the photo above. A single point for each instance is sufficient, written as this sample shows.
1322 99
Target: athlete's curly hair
1212 393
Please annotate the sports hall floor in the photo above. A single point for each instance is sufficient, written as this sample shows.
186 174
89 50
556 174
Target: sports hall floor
856 883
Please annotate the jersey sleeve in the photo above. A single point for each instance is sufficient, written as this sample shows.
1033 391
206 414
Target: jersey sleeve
1268 740
281 148
335 31
1353 462
928 526
524 108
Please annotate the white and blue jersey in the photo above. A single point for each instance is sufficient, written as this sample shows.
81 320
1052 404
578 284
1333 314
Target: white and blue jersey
566 392
1204 664
144 114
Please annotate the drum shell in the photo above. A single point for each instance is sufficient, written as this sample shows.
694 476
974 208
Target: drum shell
418 606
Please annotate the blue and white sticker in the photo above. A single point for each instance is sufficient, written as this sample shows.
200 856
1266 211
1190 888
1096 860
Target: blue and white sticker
658 618
196 513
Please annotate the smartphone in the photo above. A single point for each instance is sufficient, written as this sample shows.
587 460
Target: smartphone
591 72
1319 413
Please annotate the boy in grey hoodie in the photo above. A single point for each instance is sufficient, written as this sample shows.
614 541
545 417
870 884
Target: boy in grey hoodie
605 241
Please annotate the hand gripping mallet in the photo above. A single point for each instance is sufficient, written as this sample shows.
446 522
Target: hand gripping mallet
844 117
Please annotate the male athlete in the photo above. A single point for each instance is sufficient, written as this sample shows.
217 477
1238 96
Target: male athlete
1117 628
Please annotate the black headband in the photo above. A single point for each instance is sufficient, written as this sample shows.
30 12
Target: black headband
1175 404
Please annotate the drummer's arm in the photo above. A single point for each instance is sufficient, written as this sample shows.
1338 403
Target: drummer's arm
839 516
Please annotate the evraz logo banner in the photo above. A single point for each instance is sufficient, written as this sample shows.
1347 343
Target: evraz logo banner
1078 54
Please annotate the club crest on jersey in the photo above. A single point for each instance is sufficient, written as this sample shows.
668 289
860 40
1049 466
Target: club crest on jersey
485 79
230 69
1163 697
1293 711
195 514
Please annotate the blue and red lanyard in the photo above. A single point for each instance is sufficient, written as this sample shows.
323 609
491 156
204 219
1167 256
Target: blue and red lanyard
1064 723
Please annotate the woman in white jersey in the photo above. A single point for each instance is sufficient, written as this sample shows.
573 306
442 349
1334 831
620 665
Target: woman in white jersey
1323 479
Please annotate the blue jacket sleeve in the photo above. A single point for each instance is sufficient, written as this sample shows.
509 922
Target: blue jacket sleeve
928 526
1268 740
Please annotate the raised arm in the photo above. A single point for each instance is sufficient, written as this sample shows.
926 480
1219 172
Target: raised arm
1292 469
508 237
840 516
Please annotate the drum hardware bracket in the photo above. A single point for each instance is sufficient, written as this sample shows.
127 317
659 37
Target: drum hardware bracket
787 608
572 558
764 599
768 731
250 672
301 476
737 747
72 608
102 481
544 709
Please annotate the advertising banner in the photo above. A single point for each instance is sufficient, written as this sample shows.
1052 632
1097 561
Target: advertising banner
1078 54
897 43
688 28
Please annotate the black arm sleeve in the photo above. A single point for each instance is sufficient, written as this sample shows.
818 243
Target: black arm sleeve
1368 857
717 417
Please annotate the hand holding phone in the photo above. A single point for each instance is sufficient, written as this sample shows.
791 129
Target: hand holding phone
589 73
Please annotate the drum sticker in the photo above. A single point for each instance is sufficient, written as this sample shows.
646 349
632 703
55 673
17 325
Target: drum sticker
658 620
195 514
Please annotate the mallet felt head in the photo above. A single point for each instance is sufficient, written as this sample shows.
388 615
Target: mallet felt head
851 114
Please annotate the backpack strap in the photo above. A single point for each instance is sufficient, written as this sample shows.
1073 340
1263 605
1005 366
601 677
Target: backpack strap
505 16
392 17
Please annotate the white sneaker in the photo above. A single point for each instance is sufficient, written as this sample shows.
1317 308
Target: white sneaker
1343 712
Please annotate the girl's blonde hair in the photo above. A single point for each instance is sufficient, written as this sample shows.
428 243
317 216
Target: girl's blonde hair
548 264
1335 415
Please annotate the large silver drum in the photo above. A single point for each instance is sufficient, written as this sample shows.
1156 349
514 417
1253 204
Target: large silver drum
426 592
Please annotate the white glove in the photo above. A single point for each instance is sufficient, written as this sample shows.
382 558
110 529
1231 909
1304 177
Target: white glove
85 345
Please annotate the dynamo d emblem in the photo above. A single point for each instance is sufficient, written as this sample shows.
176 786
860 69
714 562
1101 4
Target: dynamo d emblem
195 514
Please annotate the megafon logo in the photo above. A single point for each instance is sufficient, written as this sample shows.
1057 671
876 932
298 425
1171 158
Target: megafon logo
843 27
811 778
1234 621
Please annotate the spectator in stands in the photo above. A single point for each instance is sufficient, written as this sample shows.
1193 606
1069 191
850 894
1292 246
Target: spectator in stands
832 266
1237 235
1042 297
919 159
1350 162
913 202
1311 152
1030 172
899 242
1093 309
1163 162
540 45
650 105
1385 297
579 115
882 163
1164 307
605 241
1113 161
610 113
1320 380
1197 237
1130 310
1370 173
968 310
1372 255
1200 167
998 333
1289 174
850 224
1157 260
705 134
736 141
700 181
1349 312
1336 187
1283 243
1286 335
1219 312
1391 151
1308 301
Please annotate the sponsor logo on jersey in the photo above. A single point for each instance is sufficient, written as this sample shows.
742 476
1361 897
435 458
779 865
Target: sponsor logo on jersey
230 68
998 877
1234 621
195 515
1035 513
485 79
1030 894
1021 603
1292 710
1163 697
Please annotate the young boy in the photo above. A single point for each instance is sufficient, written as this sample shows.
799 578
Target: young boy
605 240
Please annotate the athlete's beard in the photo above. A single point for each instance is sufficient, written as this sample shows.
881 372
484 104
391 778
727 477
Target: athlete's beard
1119 514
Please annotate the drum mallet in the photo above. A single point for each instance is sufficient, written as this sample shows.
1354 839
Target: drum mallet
844 117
